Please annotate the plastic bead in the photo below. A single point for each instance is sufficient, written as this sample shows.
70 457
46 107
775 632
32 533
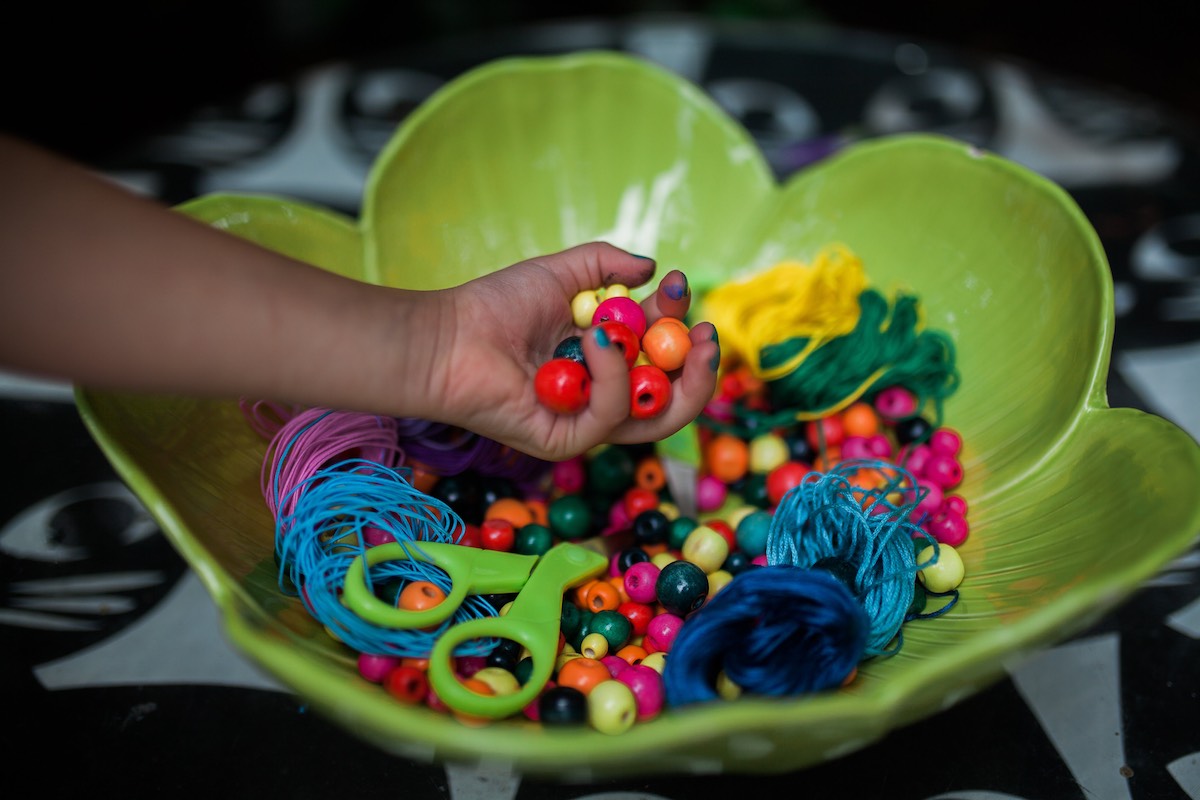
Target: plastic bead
646 684
612 708
563 386
944 575
705 549
682 587
622 337
667 344
710 493
640 582
767 451
376 667
562 705
649 392
625 310
407 684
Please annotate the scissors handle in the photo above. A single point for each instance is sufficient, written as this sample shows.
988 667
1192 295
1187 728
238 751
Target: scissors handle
533 620
471 570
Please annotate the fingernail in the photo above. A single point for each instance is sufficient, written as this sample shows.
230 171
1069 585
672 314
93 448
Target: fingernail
677 291
601 337
644 258
716 360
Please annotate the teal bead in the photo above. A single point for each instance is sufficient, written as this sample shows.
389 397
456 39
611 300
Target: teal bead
752 533
569 516
611 471
680 528
682 587
533 540
585 627
524 670
754 490
613 626
570 619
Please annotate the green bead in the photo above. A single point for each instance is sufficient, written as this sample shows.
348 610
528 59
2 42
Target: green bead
570 619
917 606
533 540
524 670
611 471
613 626
680 528
752 532
682 587
754 490
569 516
585 627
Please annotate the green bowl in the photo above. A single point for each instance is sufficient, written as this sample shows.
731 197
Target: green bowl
1072 504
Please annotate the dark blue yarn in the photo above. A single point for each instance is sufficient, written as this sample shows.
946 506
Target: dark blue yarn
776 630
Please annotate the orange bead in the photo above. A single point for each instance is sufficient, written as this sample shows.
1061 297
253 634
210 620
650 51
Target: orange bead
666 343
618 582
479 687
417 663
583 674
601 596
423 479
860 419
632 654
649 474
579 593
727 458
539 511
510 509
420 595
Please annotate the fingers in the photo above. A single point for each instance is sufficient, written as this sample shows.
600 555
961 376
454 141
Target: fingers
609 404
672 299
589 266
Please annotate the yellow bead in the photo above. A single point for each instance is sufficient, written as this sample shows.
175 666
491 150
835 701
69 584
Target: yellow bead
501 680
642 359
616 290
767 451
660 560
706 548
612 708
504 608
594 645
563 658
583 307
946 574
735 517
669 510
656 661
727 689
718 581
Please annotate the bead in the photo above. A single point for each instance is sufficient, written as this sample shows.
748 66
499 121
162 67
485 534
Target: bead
500 680
612 708
614 290
601 596
767 451
533 540
705 549
583 307
799 449
682 586
737 562
570 619
929 504
622 337
915 458
663 559
509 508
754 490
626 558
594 645
859 419
649 474
944 575
944 470
376 667
618 517
640 582
647 686
719 580
613 626
625 310
725 529
913 429
466 666
407 684
669 509
895 403
825 433
504 655
563 386
420 595
469 536
616 665
582 673
855 447
710 493
955 504
610 471
562 705
667 344
661 633
649 392
524 670
752 533
948 527
783 479
880 446
726 688
680 528
637 500
632 654
945 440
735 517
638 614
497 534
572 348
569 516
651 527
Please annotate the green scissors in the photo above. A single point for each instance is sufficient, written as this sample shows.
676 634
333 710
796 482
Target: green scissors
533 619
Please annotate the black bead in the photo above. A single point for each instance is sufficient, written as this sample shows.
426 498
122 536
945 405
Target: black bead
562 705
505 655
461 493
799 449
736 562
572 348
651 527
630 556
913 429
841 569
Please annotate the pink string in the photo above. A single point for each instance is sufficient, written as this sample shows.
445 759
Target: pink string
266 417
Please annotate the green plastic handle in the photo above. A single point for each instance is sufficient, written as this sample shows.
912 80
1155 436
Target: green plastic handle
471 570
533 620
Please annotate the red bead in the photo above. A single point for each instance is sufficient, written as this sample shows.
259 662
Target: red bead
622 337
469 536
638 614
649 391
497 534
783 479
832 430
637 500
725 529
563 385
948 528
407 684
621 309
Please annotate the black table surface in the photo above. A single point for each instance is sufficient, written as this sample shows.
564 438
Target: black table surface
116 671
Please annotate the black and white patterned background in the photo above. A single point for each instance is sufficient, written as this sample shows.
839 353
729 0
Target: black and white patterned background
114 667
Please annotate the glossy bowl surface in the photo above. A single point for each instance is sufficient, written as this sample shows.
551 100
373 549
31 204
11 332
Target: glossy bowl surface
1072 503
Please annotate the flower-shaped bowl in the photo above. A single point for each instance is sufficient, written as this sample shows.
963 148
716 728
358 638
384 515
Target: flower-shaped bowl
1072 503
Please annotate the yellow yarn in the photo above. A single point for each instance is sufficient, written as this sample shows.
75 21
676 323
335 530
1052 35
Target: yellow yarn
791 299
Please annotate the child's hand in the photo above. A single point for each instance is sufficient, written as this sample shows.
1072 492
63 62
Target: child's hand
494 332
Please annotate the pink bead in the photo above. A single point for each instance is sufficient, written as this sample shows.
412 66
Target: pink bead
531 710
948 528
945 440
466 666
931 503
647 687
943 470
880 446
616 665
710 493
915 458
373 537
856 447
618 517
661 633
569 475
640 580
759 561
895 402
621 309
720 410
954 504
374 667
614 569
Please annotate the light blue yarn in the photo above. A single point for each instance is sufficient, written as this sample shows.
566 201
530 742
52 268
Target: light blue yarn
823 517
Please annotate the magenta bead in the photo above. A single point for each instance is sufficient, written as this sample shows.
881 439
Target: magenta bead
948 528
466 666
621 309
954 504
569 475
710 493
895 402
943 470
945 440
915 458
856 447
880 446
760 560
931 503
616 665
374 667
614 568
647 687
720 410
373 537
640 580
618 516
661 632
